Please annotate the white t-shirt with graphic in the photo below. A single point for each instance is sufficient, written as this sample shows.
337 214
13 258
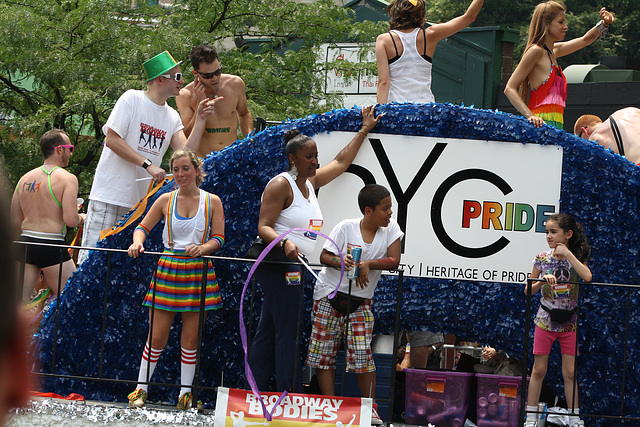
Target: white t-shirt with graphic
348 232
148 128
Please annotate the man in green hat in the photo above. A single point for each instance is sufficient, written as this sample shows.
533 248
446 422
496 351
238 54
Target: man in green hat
230 113
138 132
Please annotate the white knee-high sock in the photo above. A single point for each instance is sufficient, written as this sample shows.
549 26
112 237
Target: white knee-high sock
149 360
574 418
187 369
532 416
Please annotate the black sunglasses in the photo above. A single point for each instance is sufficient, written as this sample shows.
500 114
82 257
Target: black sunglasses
208 76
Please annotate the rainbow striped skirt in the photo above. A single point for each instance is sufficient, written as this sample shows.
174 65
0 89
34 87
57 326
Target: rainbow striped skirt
178 284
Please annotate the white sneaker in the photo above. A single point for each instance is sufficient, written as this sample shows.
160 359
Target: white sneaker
375 418
578 423
530 423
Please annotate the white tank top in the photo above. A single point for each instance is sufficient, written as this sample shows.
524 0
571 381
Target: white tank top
185 231
410 75
302 213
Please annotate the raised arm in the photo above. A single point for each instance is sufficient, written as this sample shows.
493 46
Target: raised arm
345 157
568 47
437 32
205 110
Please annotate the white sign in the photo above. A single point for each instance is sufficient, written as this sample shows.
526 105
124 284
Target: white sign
241 408
471 210
337 81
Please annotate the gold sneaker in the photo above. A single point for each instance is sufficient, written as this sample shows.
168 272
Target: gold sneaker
185 402
137 398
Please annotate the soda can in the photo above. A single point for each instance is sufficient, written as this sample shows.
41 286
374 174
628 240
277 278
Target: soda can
542 418
356 252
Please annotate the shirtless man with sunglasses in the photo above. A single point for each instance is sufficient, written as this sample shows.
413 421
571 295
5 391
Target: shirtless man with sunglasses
44 205
230 110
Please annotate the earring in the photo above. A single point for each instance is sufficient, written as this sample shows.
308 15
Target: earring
293 171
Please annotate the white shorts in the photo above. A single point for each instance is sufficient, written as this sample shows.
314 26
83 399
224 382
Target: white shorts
100 216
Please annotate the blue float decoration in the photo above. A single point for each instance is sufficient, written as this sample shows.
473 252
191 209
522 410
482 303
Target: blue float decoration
600 188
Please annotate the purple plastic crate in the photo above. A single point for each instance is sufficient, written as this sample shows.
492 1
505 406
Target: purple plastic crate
436 397
498 400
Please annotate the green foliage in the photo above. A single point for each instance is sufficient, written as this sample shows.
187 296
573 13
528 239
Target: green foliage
581 16
64 63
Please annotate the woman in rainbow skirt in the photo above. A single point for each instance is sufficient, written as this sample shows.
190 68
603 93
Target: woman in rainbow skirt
537 88
193 227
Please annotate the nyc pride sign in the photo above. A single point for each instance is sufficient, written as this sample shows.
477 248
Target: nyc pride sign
470 209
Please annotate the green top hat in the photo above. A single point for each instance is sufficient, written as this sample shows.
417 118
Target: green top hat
158 65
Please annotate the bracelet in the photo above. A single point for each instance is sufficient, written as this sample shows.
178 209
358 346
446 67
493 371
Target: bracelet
602 28
365 126
433 347
282 242
364 135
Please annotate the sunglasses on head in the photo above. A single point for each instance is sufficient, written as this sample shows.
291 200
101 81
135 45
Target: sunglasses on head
208 76
70 147
177 76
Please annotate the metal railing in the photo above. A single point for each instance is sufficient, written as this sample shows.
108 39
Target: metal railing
196 386
619 417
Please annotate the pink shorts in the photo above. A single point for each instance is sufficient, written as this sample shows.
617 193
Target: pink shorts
543 340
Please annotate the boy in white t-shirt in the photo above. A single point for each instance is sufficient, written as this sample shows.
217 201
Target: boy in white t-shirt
380 237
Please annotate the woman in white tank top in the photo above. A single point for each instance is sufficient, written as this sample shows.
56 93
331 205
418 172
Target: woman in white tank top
404 54
193 228
289 202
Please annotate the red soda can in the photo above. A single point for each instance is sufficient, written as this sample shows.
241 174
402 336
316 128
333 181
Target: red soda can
356 252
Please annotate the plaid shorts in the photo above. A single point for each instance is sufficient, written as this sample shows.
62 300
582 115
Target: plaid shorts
328 328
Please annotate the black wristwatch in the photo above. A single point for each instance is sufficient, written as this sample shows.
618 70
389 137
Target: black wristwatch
146 163
282 242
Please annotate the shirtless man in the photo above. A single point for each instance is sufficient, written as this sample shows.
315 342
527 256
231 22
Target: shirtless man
44 204
222 126
622 134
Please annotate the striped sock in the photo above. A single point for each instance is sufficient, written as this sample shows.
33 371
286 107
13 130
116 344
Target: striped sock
149 360
187 369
